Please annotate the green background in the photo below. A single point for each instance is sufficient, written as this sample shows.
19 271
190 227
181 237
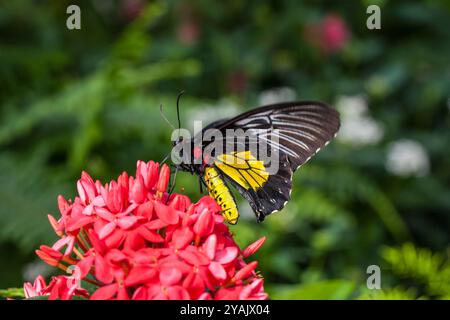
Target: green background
88 99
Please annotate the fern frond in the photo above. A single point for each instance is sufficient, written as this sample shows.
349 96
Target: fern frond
428 268
346 184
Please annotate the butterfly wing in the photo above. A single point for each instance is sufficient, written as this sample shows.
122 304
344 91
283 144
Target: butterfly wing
301 129
265 192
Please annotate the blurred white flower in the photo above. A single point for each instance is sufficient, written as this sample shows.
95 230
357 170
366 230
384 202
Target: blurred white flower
277 95
352 106
357 126
360 131
33 269
407 158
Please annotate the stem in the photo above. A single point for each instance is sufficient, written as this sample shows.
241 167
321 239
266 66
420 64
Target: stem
62 267
81 244
86 238
95 283
69 260
78 253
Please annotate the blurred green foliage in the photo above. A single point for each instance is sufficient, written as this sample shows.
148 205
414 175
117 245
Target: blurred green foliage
89 99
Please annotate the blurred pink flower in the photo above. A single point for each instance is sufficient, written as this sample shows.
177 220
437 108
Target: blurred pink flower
237 81
331 34
188 27
188 32
131 9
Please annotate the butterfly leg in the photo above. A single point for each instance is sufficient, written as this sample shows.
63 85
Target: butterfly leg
172 184
201 183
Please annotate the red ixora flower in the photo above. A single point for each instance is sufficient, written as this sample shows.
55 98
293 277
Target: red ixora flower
129 240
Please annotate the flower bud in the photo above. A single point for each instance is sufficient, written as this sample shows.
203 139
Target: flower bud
163 181
251 249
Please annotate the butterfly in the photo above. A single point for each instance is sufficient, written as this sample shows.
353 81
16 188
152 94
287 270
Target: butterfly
294 131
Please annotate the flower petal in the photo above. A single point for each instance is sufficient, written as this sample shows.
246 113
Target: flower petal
138 191
81 192
63 205
209 246
177 293
105 293
39 283
205 223
182 237
166 214
145 210
98 201
150 235
29 291
156 224
105 214
106 230
217 271
194 257
85 265
102 270
140 274
127 222
227 255
205 296
140 294
170 276
76 224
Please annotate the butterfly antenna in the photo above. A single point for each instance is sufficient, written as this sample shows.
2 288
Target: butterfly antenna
174 180
178 108
165 158
164 117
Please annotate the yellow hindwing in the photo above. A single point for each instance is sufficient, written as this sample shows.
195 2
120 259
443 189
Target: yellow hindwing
243 168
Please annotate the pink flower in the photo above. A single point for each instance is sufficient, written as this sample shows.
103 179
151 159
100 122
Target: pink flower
36 289
64 288
331 34
131 241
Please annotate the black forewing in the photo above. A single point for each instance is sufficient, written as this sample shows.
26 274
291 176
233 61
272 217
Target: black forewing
303 128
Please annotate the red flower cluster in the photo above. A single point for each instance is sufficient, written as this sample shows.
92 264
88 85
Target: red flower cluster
131 241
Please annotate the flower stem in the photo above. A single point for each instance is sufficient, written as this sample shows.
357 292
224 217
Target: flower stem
78 253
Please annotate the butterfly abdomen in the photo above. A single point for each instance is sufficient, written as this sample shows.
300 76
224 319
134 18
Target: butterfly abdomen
218 190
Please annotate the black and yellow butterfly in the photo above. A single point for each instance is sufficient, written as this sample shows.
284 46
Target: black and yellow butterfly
302 129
